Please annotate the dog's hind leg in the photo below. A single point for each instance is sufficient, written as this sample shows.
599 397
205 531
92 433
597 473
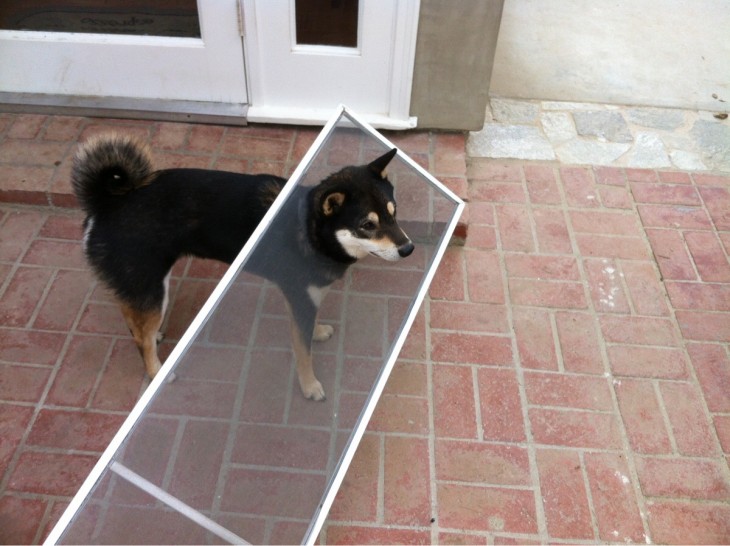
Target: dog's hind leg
165 302
145 326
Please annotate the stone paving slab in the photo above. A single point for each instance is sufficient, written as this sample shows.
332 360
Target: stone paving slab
594 134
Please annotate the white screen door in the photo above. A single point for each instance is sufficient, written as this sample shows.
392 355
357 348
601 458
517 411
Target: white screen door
143 50
300 70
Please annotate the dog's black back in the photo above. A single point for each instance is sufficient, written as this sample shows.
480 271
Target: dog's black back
209 214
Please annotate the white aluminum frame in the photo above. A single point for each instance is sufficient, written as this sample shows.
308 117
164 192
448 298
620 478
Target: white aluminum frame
162 376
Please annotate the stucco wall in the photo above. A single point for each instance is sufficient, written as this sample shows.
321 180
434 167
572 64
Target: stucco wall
673 53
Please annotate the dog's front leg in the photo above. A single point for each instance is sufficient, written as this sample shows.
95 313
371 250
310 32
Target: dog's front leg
302 343
303 311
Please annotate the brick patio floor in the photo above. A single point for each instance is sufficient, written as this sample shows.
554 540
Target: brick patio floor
568 379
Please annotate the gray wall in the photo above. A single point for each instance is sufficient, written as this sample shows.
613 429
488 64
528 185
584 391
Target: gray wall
454 57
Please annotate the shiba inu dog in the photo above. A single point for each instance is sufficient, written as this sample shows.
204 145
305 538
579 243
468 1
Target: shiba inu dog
139 221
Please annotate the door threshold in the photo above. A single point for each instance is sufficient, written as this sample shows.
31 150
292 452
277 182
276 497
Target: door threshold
319 116
126 108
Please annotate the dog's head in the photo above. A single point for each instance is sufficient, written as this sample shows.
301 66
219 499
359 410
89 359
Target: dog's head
353 214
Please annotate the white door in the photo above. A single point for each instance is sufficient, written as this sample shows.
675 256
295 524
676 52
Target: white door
174 50
296 78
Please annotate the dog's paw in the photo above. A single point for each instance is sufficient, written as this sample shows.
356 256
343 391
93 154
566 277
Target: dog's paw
314 391
322 332
160 337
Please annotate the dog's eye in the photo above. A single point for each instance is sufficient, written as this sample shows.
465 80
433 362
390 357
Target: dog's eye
368 225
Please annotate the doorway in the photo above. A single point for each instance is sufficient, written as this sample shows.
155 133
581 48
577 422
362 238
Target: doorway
229 61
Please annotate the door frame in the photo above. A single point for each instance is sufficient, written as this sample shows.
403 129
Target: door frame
400 79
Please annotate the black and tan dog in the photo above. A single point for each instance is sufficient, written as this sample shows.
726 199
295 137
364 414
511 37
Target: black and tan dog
140 221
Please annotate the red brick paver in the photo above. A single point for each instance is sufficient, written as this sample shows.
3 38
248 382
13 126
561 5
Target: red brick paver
568 379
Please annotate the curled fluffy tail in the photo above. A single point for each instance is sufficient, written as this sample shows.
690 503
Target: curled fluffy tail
108 166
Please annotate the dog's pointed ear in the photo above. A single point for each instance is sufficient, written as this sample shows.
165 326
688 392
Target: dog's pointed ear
332 202
378 165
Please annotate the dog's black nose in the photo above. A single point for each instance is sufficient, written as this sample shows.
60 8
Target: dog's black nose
405 249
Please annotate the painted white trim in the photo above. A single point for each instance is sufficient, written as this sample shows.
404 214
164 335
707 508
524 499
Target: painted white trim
176 504
404 58
107 39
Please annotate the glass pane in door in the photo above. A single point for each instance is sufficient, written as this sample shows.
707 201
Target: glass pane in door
172 18
327 22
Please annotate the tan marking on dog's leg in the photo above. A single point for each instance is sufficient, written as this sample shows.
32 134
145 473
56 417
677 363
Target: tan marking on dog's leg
311 387
322 332
145 326
165 302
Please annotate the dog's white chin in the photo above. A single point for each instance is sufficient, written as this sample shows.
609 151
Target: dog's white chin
359 248
390 254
